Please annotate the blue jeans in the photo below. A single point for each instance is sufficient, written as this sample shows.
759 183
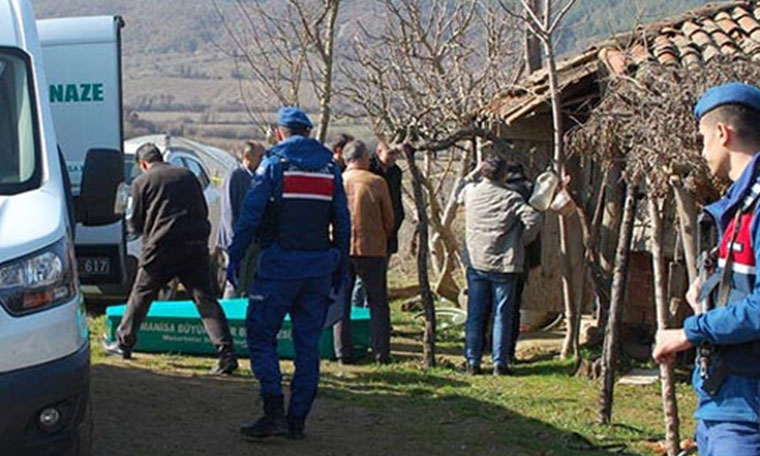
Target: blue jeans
719 438
306 300
489 293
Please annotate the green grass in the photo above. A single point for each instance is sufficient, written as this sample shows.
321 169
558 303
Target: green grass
537 412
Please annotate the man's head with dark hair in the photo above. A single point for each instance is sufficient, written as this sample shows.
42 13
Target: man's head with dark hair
725 131
493 168
729 127
340 142
744 121
338 145
251 154
149 152
287 132
386 154
147 155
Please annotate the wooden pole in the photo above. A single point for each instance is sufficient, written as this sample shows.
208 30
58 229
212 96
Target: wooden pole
617 298
667 380
687 222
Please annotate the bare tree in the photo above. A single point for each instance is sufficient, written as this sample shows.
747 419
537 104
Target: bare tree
544 24
619 280
278 53
421 78
667 376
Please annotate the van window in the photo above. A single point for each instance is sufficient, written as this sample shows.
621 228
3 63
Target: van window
19 151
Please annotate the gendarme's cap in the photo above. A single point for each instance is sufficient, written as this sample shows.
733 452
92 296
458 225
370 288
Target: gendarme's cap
293 117
735 93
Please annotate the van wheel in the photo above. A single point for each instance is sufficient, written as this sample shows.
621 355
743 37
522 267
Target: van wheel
83 443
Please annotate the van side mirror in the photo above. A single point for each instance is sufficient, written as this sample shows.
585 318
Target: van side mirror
101 178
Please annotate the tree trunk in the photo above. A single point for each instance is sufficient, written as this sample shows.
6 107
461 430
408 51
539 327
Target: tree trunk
614 197
687 222
444 237
619 280
423 252
570 344
532 44
669 404
559 160
326 96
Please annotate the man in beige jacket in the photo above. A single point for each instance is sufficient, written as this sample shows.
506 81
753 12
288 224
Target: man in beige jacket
369 203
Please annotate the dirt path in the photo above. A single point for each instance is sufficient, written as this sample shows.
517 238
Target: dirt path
170 406
141 412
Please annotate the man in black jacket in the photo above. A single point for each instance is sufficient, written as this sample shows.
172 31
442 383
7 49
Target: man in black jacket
234 189
170 212
517 181
383 163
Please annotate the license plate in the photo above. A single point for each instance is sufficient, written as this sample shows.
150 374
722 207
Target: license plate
94 266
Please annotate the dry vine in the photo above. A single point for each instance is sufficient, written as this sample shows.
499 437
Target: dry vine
646 123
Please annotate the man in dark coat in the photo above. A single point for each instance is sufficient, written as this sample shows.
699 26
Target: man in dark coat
518 182
170 212
234 189
383 163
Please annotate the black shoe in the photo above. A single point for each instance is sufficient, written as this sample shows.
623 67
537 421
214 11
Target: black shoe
474 369
296 427
116 349
225 366
273 422
346 361
264 427
499 370
383 360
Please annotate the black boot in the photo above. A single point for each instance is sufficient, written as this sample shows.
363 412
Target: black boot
296 427
227 362
271 424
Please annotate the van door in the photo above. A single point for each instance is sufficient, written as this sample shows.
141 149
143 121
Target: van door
83 69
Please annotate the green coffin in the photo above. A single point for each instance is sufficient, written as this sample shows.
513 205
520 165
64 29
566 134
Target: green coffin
176 327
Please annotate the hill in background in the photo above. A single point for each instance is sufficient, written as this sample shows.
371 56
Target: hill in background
175 75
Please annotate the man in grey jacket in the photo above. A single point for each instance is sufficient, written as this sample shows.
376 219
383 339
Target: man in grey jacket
498 225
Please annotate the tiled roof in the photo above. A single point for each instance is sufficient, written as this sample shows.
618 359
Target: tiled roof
727 28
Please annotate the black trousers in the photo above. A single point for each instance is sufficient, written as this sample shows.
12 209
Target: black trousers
190 264
519 287
374 273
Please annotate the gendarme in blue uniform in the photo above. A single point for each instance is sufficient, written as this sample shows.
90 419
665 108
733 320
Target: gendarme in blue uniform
296 207
738 397
728 419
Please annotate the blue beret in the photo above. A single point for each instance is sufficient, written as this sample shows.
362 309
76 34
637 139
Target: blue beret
293 117
734 93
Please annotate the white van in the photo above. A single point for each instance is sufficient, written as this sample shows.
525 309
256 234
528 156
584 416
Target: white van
44 348
82 61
